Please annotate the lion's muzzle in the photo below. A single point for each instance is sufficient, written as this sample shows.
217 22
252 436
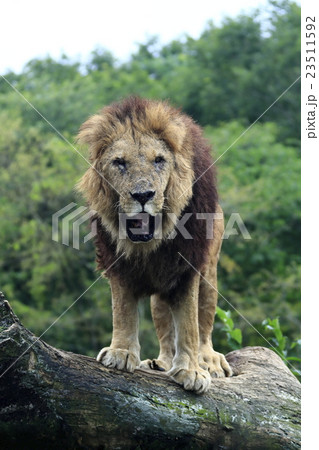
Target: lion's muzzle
143 197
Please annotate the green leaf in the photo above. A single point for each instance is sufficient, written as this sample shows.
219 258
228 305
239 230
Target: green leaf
237 335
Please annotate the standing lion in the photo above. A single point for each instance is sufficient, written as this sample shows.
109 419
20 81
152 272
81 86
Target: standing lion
153 187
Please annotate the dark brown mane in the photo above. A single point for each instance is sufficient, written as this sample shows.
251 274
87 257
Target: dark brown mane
131 106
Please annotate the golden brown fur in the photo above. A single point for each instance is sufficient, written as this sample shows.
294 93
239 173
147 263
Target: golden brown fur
142 148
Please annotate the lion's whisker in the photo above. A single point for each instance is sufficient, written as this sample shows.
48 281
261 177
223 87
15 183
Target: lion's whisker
116 205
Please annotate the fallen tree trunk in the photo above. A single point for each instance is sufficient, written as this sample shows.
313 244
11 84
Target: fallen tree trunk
55 399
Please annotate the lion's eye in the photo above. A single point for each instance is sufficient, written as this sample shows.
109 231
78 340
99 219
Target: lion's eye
120 163
159 160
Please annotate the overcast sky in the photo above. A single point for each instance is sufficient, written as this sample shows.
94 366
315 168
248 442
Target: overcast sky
36 28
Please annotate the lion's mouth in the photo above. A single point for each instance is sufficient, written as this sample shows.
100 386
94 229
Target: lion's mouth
140 228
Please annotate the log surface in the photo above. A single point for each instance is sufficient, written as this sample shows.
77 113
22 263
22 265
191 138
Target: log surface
51 398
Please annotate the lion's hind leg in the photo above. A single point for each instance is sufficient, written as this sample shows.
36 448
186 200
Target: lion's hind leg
164 326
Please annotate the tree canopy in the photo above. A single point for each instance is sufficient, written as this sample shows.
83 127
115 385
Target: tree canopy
226 80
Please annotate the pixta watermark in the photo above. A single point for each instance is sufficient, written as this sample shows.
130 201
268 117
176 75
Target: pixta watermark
66 224
74 216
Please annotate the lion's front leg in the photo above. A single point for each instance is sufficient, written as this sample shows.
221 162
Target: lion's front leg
186 369
124 351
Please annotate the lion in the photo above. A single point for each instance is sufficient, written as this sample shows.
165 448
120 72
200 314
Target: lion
151 183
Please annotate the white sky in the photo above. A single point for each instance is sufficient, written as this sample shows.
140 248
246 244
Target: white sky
34 28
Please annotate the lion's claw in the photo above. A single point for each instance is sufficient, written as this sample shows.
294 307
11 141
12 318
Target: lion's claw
155 364
192 380
117 358
215 363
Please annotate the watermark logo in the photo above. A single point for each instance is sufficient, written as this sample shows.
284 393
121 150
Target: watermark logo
61 225
142 227
232 230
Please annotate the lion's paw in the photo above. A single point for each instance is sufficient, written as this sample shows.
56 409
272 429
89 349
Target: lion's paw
118 358
192 380
215 363
155 364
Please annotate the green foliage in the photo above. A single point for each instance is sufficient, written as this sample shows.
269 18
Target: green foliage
281 345
288 351
259 178
234 335
225 79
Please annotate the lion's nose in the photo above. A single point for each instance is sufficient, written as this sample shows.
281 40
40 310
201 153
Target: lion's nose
143 197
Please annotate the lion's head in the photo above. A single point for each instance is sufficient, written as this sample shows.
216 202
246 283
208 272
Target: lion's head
142 169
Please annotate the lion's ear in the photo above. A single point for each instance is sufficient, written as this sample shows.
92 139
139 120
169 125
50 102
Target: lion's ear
93 132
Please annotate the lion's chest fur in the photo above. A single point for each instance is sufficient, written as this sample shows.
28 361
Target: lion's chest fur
162 272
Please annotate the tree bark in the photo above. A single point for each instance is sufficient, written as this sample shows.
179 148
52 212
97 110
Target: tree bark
51 398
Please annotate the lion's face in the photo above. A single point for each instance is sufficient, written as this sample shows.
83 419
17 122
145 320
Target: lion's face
142 169
139 170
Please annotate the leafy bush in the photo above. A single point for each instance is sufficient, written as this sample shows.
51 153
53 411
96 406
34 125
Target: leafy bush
281 345
234 335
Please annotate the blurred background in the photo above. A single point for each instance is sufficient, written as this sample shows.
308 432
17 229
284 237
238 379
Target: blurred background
225 73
